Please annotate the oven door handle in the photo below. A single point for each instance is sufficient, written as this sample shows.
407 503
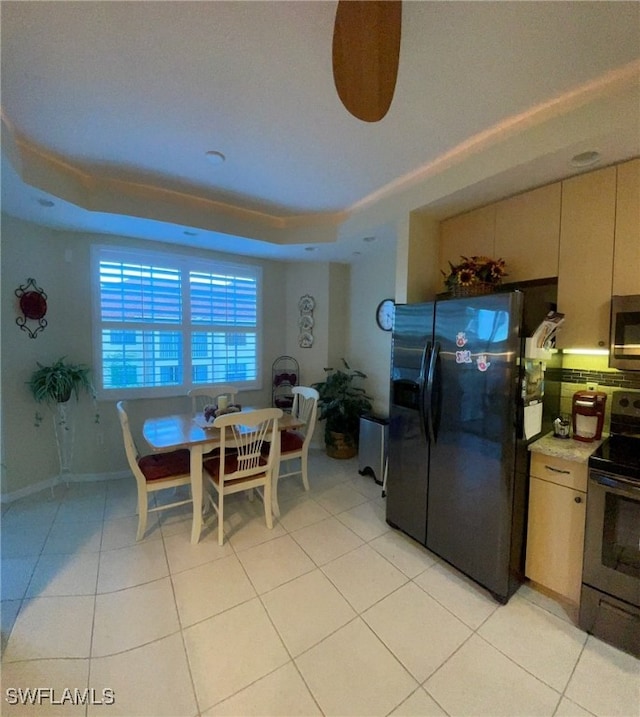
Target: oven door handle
622 484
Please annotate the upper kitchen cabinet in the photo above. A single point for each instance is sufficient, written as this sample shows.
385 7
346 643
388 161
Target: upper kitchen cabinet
626 253
469 234
527 234
586 258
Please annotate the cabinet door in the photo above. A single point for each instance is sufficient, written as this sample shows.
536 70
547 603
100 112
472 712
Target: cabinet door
470 234
626 257
555 536
528 233
586 259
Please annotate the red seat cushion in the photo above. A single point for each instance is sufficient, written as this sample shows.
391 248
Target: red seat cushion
212 465
157 466
290 441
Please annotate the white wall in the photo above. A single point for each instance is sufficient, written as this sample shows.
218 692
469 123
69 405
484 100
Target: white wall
369 348
313 279
59 262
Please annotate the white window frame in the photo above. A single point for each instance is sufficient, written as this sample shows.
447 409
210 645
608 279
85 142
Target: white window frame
185 263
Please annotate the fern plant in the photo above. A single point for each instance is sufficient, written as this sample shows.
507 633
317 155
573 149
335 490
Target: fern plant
56 383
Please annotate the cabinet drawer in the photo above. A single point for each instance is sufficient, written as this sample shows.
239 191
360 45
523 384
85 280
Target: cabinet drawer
559 471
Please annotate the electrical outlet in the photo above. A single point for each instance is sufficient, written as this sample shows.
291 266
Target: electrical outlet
592 386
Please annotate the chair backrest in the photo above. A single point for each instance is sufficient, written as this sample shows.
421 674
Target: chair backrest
243 436
130 447
305 407
200 397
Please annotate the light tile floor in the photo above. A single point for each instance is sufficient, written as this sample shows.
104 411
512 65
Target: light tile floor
331 612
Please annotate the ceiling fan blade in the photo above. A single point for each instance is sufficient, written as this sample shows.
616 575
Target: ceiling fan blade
366 54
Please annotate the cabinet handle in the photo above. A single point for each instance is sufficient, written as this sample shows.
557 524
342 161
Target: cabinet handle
578 499
557 470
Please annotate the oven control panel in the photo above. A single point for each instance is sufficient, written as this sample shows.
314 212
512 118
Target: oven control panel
625 412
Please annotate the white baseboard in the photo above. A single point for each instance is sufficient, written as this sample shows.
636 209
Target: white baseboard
55 480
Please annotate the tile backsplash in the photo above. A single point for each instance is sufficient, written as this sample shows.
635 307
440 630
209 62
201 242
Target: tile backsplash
577 370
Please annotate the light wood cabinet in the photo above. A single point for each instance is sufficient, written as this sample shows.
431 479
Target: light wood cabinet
626 256
555 531
528 233
470 234
586 258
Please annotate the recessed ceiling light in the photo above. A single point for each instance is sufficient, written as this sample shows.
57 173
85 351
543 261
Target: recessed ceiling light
585 159
45 202
214 157
368 239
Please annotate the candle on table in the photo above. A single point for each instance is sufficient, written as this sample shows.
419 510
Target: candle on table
223 402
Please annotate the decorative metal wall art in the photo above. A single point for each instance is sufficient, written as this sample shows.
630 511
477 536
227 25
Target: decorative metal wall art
305 323
32 302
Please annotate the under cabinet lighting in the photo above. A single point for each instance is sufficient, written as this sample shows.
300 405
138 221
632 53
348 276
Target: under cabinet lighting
586 352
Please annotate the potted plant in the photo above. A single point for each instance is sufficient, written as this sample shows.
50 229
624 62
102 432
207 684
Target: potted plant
341 404
55 385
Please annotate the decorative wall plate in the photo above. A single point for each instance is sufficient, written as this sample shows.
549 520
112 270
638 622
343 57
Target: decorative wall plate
306 304
33 305
32 302
305 322
305 340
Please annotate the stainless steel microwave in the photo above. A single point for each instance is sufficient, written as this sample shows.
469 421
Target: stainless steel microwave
624 349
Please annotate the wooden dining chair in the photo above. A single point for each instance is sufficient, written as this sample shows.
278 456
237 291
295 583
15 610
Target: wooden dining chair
153 472
242 465
200 397
294 444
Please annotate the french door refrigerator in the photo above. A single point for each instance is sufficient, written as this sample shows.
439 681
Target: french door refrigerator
452 482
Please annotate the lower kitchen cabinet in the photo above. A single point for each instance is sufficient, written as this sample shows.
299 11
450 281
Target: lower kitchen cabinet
555 533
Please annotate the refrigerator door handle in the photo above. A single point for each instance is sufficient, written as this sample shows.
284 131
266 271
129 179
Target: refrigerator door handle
426 351
429 391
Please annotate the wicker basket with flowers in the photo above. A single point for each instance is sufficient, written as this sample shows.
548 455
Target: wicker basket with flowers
474 276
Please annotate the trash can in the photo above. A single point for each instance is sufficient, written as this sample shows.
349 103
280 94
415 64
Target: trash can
372 451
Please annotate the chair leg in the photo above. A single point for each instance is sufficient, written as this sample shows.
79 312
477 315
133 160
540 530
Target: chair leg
267 504
220 518
303 470
143 499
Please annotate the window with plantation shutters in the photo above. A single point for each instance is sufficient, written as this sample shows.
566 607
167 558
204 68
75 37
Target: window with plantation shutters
165 323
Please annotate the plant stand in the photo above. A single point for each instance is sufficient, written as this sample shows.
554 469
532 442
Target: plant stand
65 428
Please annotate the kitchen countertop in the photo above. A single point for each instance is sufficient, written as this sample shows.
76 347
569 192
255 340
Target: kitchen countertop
566 448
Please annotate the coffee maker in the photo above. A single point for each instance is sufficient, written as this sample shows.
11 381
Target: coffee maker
588 415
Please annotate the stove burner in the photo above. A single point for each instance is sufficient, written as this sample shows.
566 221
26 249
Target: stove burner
620 453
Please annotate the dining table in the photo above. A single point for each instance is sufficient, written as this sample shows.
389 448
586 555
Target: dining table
186 430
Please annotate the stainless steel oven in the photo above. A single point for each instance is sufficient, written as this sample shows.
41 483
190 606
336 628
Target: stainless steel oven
610 598
624 344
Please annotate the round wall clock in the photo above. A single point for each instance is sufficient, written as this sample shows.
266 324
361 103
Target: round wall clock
384 314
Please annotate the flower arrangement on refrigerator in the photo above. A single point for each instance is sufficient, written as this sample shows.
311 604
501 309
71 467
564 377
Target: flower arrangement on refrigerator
475 270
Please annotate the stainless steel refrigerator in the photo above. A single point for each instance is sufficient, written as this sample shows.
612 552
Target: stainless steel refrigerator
454 483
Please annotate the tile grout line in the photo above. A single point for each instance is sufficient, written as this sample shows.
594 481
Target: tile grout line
95 602
181 627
